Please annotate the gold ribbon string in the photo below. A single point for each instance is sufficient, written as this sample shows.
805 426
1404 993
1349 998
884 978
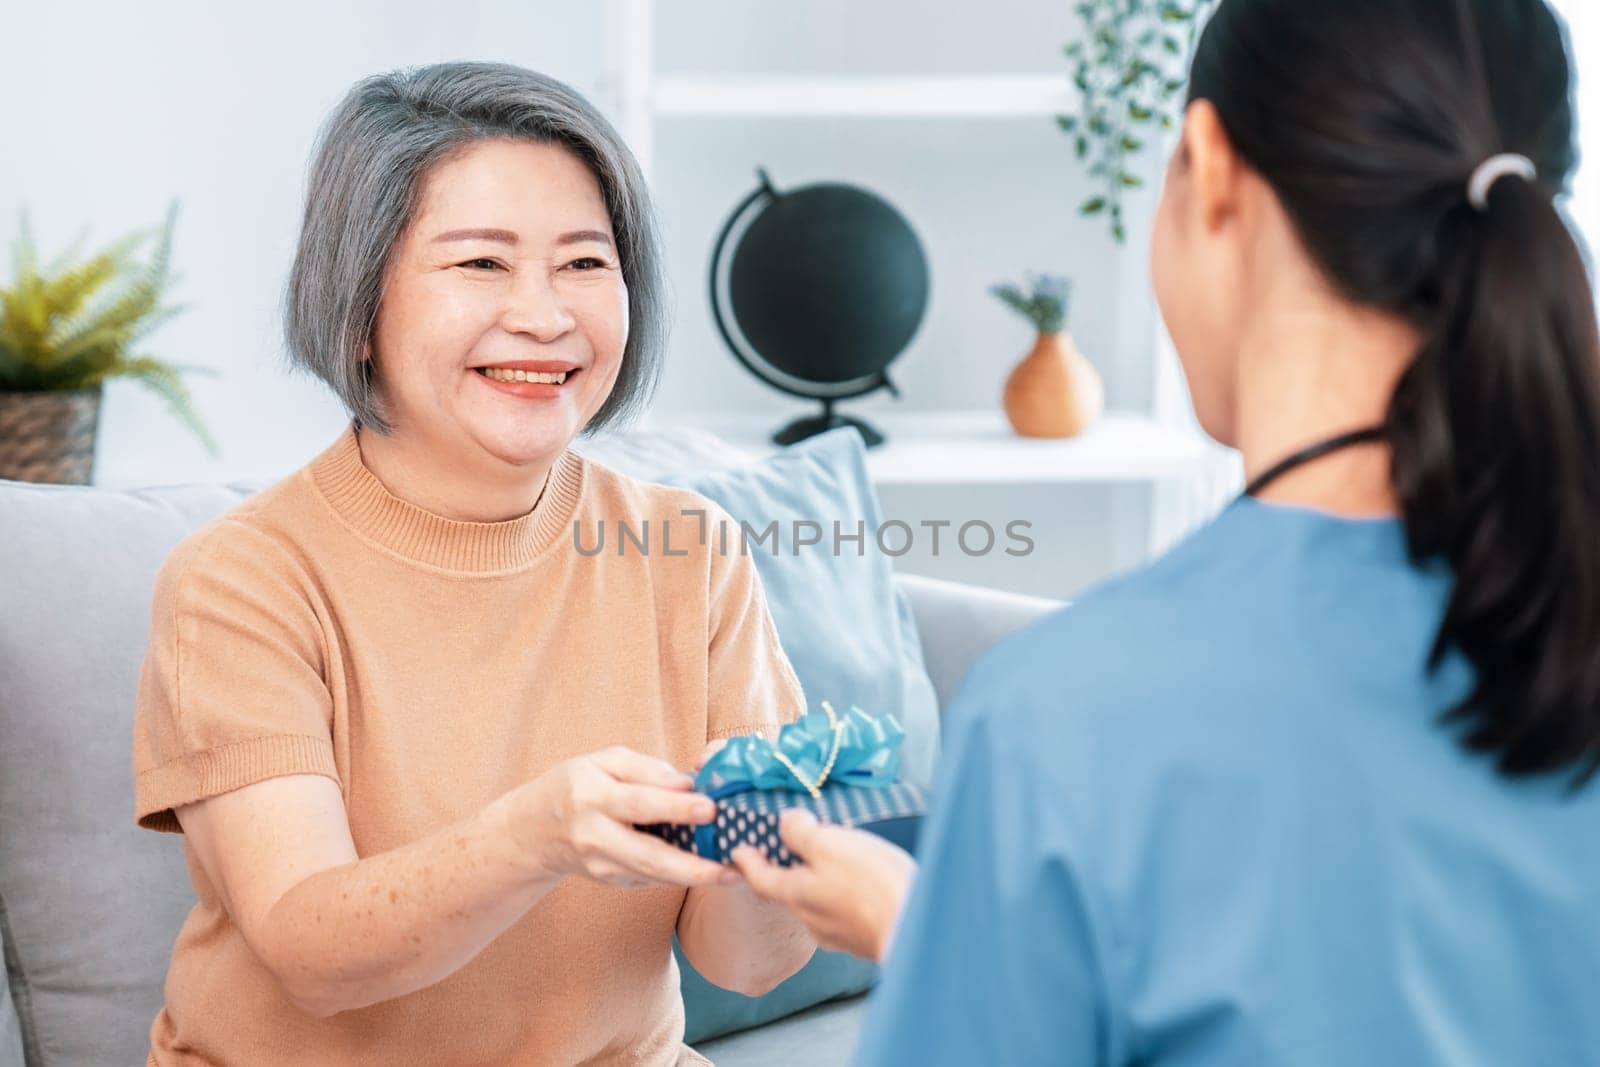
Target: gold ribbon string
838 740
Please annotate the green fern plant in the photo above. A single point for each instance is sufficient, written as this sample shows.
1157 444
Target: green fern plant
74 324
1042 302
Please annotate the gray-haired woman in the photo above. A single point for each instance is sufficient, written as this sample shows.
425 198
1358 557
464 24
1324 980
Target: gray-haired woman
404 726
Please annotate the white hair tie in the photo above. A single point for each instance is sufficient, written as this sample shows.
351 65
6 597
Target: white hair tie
1492 170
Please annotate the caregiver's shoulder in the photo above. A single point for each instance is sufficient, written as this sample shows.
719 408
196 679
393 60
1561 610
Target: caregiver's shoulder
1135 642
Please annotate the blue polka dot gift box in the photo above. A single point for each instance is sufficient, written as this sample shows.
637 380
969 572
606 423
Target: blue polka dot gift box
841 768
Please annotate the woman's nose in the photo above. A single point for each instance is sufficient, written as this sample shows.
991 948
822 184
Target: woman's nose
536 308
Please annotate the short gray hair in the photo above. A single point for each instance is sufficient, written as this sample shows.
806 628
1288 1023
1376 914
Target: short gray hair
364 187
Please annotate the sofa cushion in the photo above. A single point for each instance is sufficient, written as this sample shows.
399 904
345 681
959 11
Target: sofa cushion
92 902
10 1029
852 639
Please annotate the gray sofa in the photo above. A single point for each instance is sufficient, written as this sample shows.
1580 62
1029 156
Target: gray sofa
89 903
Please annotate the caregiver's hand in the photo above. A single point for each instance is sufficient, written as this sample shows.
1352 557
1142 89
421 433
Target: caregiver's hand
849 889
577 819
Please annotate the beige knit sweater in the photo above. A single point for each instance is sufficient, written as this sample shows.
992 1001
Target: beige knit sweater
430 665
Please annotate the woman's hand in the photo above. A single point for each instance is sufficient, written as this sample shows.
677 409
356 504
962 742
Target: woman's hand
577 819
849 889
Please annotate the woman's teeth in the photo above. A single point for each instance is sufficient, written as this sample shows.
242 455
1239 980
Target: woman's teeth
500 375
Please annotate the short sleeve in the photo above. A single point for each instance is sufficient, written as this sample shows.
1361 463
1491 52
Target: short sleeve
752 686
1001 893
233 687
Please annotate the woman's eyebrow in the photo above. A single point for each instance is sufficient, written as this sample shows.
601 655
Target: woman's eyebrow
503 236
507 237
579 236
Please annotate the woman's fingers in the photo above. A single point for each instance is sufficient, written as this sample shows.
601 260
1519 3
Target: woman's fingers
626 765
656 861
645 804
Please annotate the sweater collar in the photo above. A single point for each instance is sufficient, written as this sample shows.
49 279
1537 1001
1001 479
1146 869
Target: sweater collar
425 537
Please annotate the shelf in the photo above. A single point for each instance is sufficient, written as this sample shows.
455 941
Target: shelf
980 448
866 96
1188 473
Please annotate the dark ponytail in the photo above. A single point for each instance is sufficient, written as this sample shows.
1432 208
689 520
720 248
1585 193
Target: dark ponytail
1368 118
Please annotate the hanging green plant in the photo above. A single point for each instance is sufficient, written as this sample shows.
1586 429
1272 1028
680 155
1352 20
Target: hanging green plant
1129 68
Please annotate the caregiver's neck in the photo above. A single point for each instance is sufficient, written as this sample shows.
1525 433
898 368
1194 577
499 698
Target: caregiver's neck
1311 366
483 489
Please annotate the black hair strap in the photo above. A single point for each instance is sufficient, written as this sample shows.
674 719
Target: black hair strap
1311 452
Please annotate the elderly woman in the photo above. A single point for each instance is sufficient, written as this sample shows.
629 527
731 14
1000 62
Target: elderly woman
405 727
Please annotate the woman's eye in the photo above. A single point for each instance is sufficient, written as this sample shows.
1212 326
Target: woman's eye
593 263
481 264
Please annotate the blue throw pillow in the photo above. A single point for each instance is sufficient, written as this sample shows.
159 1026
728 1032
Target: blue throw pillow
848 631
852 639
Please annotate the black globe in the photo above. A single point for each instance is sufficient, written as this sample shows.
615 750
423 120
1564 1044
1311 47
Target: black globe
825 286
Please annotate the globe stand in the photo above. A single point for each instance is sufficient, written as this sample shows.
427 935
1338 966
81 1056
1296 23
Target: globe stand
795 308
828 419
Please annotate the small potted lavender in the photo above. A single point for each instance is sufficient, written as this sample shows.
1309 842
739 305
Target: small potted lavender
1054 391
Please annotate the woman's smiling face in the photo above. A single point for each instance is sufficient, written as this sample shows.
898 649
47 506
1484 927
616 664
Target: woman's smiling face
509 260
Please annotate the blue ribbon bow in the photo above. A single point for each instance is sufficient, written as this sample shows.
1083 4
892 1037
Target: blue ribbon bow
818 748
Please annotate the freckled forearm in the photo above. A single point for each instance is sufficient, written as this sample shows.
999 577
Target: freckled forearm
741 942
400 921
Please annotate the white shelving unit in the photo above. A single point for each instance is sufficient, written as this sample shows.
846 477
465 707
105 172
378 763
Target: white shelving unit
979 448
1190 475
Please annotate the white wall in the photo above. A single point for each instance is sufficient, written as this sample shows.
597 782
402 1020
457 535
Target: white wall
1584 24
115 108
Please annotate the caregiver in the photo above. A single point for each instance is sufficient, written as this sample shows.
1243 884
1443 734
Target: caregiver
404 726
1315 788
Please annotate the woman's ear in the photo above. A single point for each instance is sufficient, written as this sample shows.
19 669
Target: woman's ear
1214 166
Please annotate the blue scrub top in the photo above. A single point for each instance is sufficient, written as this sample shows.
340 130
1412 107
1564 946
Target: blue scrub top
1208 815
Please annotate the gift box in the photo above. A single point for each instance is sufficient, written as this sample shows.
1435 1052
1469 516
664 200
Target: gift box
841 768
